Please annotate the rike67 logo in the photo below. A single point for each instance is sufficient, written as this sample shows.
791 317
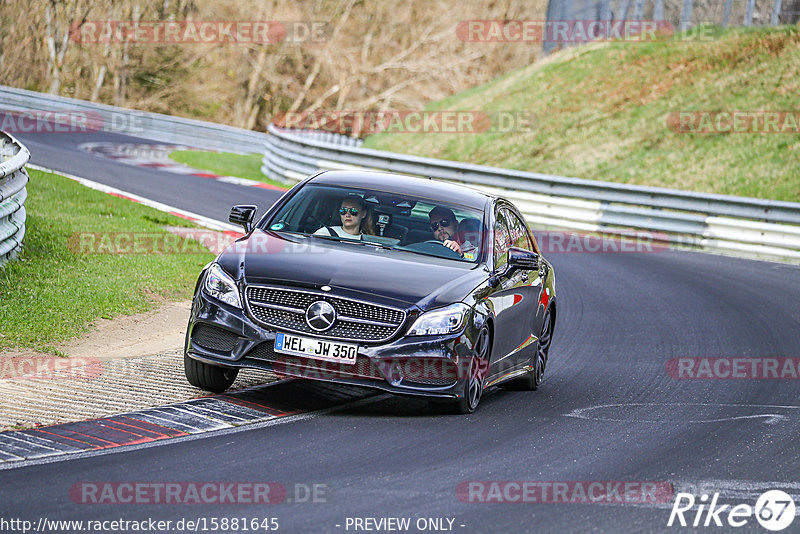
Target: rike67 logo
774 510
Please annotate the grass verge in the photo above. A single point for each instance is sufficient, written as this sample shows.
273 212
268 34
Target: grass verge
54 291
225 164
604 112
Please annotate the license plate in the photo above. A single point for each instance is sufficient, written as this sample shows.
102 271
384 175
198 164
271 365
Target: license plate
318 349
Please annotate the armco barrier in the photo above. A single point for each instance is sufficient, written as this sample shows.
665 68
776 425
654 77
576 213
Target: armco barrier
151 126
737 224
13 179
754 226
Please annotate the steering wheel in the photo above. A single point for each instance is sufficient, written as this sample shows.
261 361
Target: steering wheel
311 224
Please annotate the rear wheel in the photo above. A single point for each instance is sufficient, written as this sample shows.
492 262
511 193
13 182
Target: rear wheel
209 377
473 385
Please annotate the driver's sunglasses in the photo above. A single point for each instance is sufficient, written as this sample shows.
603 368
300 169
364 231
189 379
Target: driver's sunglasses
444 223
353 211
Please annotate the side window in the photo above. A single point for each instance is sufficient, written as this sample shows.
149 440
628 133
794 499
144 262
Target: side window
519 231
502 240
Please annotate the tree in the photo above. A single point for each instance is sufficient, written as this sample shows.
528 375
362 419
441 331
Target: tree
61 17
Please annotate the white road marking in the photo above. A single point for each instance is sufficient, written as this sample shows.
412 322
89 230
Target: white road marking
771 418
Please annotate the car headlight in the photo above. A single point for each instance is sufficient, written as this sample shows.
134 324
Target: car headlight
447 320
221 286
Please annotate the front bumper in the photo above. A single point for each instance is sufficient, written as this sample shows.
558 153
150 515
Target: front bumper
431 366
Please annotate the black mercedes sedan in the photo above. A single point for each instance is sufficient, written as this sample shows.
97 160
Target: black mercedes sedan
409 285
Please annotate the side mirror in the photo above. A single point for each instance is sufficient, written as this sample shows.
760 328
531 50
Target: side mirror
243 215
519 258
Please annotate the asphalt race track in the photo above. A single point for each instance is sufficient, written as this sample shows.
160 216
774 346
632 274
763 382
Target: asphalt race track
608 410
192 193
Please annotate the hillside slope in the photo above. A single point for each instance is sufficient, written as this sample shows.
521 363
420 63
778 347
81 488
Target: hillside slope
611 112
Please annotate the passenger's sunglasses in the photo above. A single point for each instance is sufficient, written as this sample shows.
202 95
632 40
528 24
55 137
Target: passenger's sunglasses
444 223
353 211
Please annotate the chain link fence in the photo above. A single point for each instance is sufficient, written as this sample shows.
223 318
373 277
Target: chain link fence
679 14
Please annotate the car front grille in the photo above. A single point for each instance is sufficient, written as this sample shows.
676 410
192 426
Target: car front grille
211 337
355 320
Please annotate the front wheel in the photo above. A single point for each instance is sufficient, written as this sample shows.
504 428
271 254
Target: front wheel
212 378
475 378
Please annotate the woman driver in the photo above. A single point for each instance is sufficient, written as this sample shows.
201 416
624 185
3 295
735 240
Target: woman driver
355 220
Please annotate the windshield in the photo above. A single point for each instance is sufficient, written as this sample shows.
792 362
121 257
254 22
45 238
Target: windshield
400 222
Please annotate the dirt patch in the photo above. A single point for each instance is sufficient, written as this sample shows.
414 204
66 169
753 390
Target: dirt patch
128 336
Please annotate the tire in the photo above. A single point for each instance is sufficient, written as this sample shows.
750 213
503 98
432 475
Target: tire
212 378
533 378
473 385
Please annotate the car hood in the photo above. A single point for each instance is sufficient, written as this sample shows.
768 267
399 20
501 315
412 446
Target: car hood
393 278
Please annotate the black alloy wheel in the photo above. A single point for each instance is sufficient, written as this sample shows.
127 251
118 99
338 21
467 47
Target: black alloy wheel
475 379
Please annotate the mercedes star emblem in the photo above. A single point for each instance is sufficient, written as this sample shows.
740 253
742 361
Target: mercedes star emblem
320 315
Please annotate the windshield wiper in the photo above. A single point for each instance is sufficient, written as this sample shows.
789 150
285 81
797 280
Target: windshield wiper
354 241
337 238
376 244
328 237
